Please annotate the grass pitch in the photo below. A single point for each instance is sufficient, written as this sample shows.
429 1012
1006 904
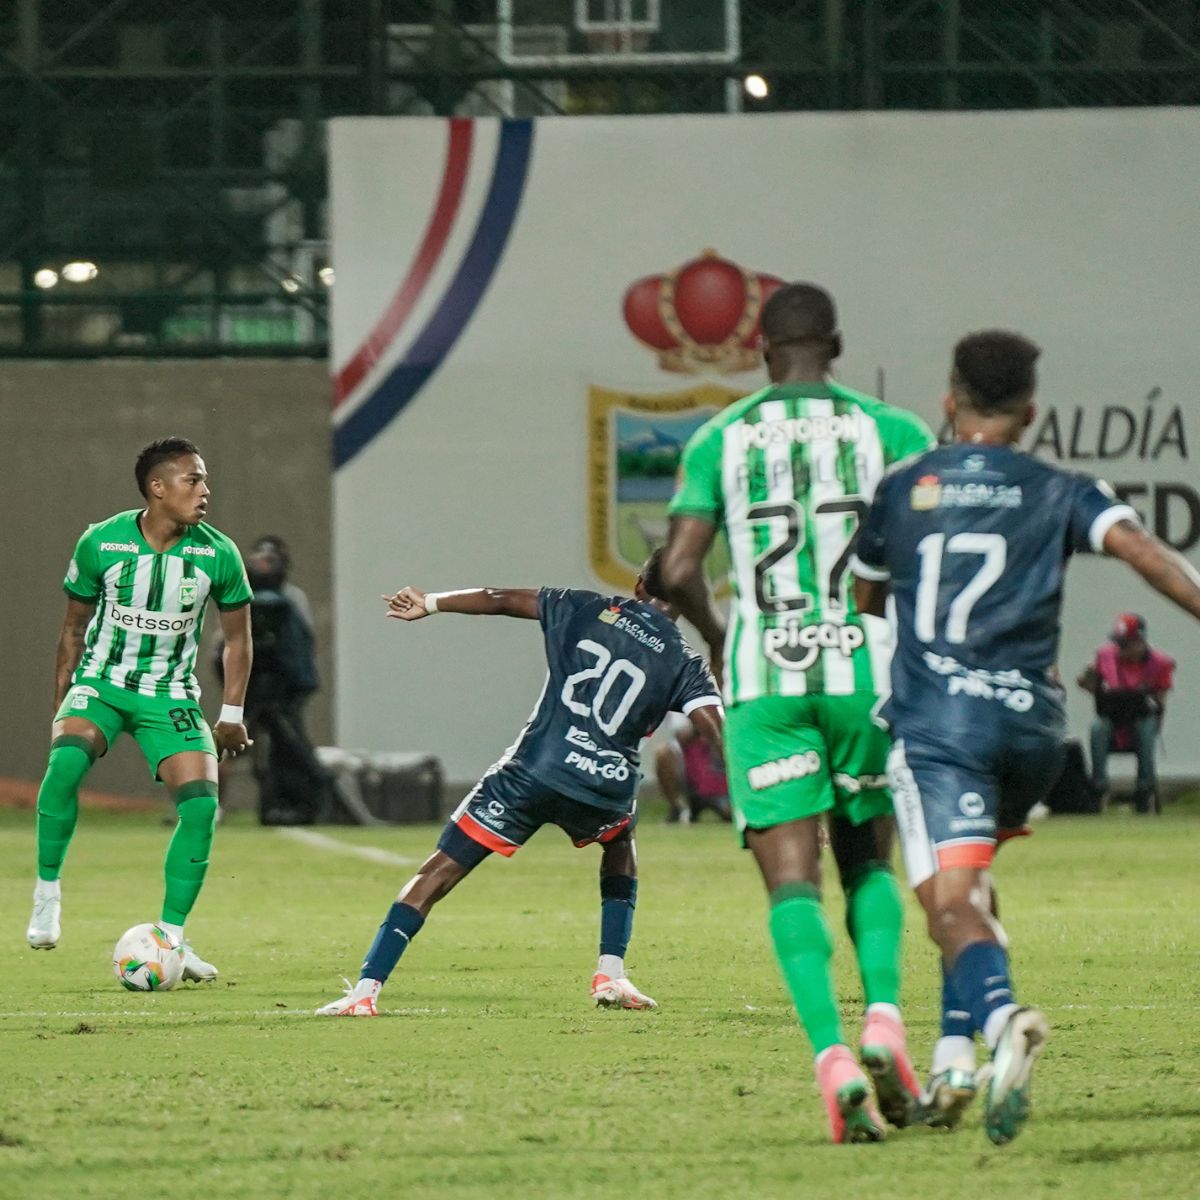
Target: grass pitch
491 1075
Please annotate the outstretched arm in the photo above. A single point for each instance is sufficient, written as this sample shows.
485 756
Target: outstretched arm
683 577
1164 569
411 604
70 645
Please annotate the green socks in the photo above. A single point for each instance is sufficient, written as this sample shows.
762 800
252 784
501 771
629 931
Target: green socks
58 802
187 853
875 919
803 947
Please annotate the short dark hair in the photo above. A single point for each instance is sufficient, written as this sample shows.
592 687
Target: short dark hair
799 312
652 578
274 542
264 570
157 453
996 369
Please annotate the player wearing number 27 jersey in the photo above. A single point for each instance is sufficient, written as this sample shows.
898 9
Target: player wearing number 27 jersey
787 473
617 666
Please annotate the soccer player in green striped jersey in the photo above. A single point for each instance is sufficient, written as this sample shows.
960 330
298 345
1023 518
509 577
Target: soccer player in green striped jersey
136 591
787 474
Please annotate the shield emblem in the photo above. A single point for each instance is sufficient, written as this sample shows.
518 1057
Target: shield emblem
635 444
189 590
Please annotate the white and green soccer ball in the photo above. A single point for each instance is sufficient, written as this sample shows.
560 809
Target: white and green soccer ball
147 958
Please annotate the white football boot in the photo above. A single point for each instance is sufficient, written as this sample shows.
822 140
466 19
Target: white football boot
359 1000
195 969
608 992
1008 1092
947 1097
45 927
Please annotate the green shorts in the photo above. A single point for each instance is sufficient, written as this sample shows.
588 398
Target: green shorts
160 725
790 757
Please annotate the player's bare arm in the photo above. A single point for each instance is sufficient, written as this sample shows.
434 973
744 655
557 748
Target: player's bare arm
230 734
689 540
708 722
870 596
70 645
1164 569
411 604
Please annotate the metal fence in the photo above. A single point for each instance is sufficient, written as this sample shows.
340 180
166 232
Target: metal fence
162 174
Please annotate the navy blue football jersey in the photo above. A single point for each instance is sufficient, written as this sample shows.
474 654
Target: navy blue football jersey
616 668
975 541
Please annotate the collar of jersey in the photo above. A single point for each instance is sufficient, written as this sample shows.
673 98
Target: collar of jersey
140 537
812 391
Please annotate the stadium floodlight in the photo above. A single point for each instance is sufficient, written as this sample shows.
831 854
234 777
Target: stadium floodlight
756 87
325 275
80 272
45 278
290 284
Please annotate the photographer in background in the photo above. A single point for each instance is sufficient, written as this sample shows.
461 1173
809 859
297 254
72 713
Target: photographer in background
292 783
272 542
1130 681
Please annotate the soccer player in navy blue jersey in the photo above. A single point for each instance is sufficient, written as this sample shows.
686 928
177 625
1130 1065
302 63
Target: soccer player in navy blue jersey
617 666
972 541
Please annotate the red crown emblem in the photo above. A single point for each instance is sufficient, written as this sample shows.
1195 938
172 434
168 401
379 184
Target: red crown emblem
703 316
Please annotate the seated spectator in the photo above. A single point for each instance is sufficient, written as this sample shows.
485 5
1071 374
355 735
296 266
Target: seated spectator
1130 681
691 775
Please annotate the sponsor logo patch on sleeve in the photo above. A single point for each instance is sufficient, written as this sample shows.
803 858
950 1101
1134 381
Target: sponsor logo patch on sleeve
927 493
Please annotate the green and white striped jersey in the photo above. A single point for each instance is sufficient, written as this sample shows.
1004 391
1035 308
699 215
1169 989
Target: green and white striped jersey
788 473
150 606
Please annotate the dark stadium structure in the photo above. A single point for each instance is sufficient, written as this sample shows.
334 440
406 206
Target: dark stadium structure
162 164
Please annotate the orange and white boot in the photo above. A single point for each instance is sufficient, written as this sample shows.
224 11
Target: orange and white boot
847 1095
618 992
359 1000
884 1052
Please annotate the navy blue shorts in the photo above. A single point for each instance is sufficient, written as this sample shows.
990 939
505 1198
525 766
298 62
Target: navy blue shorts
954 799
508 806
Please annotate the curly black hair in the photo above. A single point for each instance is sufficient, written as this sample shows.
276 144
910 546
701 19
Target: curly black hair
995 368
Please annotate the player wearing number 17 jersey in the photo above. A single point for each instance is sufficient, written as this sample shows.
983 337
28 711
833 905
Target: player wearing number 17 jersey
137 588
616 668
973 541
787 473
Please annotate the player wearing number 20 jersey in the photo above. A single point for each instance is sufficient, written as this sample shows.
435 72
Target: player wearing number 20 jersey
617 666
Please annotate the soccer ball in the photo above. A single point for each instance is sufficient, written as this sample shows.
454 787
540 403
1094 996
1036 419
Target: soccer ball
147 958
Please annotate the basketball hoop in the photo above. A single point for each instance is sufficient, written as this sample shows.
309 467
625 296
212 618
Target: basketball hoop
615 40
665 33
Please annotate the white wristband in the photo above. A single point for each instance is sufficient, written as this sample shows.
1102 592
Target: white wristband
431 602
231 714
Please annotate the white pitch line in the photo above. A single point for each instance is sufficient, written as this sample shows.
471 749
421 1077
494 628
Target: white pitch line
319 841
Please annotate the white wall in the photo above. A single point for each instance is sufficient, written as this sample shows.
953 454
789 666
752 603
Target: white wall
1077 228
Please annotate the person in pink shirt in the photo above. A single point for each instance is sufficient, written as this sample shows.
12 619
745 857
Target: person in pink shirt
691 775
1130 680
